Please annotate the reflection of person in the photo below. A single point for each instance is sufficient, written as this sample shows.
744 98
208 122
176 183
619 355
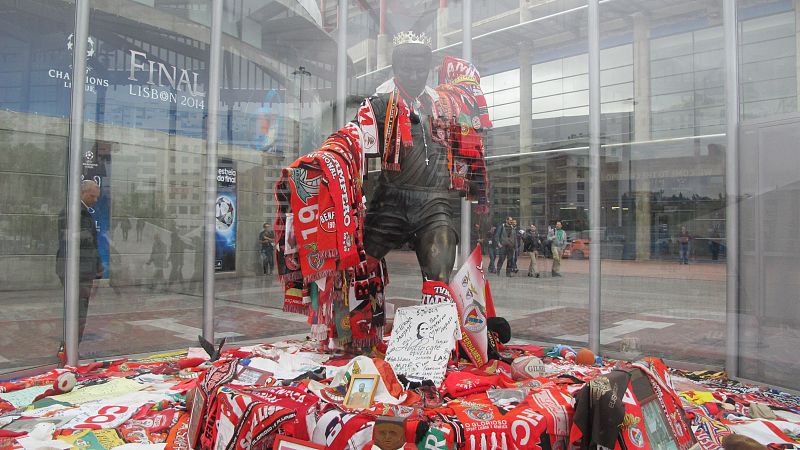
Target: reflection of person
412 202
491 248
90 265
267 258
359 398
176 257
424 333
506 238
139 228
157 260
558 240
683 241
715 243
125 225
531 242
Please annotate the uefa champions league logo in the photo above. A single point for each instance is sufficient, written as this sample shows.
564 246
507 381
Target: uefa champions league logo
89 45
225 213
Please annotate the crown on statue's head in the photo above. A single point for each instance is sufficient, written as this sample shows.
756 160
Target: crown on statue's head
409 37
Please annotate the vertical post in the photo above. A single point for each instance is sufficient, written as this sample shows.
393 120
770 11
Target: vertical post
341 65
212 132
594 175
466 209
73 206
730 26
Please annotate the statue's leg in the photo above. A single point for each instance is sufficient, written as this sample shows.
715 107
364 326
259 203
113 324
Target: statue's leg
436 252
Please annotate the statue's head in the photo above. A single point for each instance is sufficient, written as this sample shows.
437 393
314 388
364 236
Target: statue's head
411 61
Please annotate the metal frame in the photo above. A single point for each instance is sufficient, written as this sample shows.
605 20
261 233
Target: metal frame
212 132
341 65
466 205
73 206
730 26
594 175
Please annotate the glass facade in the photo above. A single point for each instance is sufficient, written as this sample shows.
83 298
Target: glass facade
680 168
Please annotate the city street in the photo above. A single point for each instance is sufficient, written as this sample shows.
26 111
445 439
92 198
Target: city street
670 310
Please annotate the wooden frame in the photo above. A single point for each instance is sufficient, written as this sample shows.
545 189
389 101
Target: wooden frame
289 443
361 399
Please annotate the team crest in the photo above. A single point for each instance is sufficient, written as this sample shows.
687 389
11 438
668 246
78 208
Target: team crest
473 319
478 414
636 437
315 260
327 220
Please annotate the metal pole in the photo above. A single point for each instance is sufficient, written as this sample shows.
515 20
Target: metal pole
466 209
341 65
594 175
73 206
732 186
212 132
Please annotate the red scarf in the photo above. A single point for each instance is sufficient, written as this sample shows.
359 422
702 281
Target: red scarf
396 131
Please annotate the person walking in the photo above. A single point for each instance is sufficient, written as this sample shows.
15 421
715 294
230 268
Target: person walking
683 240
531 245
267 249
506 237
558 242
491 248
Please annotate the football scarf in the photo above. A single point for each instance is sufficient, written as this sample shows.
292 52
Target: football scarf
368 124
245 423
557 408
668 400
202 429
341 431
459 71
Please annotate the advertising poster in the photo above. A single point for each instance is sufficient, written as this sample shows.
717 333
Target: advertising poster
96 166
226 212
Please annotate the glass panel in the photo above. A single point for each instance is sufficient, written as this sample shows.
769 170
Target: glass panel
34 143
145 123
655 195
769 214
537 172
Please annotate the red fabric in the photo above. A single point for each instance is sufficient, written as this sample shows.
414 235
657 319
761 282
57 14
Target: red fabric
460 384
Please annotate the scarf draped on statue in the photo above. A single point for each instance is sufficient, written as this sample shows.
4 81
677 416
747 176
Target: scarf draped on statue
320 242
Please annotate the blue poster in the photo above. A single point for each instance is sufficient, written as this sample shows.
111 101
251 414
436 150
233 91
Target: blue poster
96 163
225 211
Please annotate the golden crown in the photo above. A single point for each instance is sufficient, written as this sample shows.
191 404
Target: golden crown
409 37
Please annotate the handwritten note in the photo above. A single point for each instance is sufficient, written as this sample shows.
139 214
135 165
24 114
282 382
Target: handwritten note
421 341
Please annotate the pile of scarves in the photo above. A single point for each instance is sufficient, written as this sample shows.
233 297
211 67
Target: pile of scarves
320 243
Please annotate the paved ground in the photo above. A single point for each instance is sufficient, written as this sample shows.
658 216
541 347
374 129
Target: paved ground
673 310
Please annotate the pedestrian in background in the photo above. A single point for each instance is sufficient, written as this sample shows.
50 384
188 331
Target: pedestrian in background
683 241
491 247
558 241
531 244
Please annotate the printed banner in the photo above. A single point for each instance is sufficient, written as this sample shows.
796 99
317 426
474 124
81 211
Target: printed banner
159 84
226 211
471 293
96 166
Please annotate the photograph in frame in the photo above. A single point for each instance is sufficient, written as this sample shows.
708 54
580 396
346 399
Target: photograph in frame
361 391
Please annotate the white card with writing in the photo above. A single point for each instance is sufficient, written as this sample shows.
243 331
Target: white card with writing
422 339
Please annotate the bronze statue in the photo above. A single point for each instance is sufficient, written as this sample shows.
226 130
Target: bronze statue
412 201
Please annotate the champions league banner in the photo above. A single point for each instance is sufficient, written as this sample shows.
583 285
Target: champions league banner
225 211
159 84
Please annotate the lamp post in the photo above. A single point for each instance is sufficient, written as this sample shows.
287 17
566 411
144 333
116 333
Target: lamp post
301 70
